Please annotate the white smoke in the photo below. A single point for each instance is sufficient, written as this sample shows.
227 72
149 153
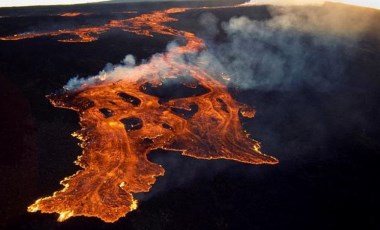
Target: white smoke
158 65
129 60
298 46
365 3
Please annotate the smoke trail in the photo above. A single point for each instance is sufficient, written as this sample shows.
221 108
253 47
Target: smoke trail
298 46
128 71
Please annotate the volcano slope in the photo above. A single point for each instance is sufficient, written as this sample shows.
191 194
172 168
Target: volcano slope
325 139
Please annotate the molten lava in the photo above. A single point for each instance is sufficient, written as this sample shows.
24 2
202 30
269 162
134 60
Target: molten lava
122 121
72 14
145 24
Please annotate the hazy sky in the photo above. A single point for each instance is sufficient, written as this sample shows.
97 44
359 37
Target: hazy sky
366 3
4 3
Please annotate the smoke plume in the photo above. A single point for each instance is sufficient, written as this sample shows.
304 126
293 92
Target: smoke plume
308 45
298 46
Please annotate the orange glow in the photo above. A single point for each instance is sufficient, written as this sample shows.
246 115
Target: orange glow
145 24
71 14
114 159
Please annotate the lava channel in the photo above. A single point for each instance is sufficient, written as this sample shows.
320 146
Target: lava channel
122 121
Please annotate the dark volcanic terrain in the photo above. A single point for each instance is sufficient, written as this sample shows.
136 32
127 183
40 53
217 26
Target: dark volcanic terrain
319 117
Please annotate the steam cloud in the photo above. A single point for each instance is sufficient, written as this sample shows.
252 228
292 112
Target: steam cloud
297 46
283 52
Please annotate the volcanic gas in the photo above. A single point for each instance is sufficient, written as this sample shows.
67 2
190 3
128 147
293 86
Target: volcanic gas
123 120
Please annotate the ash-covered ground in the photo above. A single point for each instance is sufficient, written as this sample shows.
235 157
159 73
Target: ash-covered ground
311 72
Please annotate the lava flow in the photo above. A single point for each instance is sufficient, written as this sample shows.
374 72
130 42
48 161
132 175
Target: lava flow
72 14
123 120
145 24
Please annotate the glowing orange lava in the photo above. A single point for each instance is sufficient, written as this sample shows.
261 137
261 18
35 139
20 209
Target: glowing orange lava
145 24
123 121
72 14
